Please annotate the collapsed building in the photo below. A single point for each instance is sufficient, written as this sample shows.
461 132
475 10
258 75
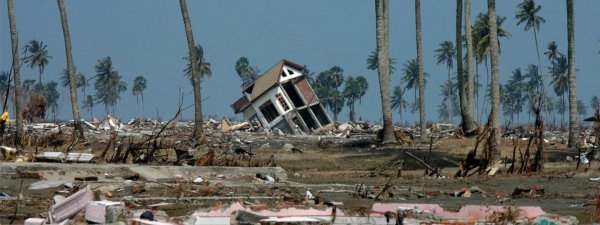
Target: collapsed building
283 99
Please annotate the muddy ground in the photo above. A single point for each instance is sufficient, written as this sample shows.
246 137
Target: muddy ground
336 171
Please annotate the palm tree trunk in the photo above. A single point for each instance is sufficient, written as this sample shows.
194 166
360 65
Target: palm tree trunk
449 100
383 70
470 60
16 70
494 119
543 97
198 128
422 113
70 70
142 104
468 126
573 119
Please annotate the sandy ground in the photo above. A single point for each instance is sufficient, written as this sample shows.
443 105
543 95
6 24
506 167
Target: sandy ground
335 172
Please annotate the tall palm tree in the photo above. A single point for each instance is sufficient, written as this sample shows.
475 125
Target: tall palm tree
528 14
468 126
398 100
80 80
383 70
573 119
560 78
247 73
470 58
52 96
354 89
16 72
422 113
108 85
139 85
38 56
410 76
70 68
445 54
202 65
581 108
552 51
88 103
198 124
372 62
494 119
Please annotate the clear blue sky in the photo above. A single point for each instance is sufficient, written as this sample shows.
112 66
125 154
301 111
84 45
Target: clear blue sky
146 37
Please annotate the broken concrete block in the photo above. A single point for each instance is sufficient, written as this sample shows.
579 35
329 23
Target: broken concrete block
287 147
80 157
35 221
104 211
51 156
71 205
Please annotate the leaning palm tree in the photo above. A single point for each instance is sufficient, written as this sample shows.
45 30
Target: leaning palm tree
528 13
202 65
36 56
573 119
70 68
493 153
16 72
422 113
139 85
383 70
445 54
198 134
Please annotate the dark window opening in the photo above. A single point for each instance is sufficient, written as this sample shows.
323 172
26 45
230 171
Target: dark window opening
282 102
308 120
269 111
321 116
284 126
290 72
293 94
283 74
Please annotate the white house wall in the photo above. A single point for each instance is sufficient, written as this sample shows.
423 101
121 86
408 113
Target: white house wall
270 95
286 69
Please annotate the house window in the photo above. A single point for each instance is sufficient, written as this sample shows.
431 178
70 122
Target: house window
282 102
269 111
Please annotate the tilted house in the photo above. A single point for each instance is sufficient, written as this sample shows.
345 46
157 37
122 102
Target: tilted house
282 98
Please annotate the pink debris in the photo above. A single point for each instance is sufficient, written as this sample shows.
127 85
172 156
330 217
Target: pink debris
466 213
287 212
71 205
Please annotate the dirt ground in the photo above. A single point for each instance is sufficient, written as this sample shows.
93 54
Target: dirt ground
334 172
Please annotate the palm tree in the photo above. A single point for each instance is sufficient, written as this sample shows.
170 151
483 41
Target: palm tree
80 80
372 62
139 85
383 70
354 89
449 97
468 126
247 73
398 101
52 96
494 119
16 72
581 108
4 84
38 56
410 76
552 52
445 54
88 103
108 85
70 69
528 13
201 64
470 59
595 103
560 78
573 120
198 129
422 114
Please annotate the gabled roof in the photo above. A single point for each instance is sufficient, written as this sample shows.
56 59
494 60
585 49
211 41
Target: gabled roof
269 79
241 104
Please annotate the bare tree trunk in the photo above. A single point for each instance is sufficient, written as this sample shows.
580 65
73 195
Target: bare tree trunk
198 128
470 60
468 126
494 119
70 70
422 113
573 119
16 70
383 70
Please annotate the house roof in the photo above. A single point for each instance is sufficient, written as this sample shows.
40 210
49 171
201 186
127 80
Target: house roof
241 104
269 79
